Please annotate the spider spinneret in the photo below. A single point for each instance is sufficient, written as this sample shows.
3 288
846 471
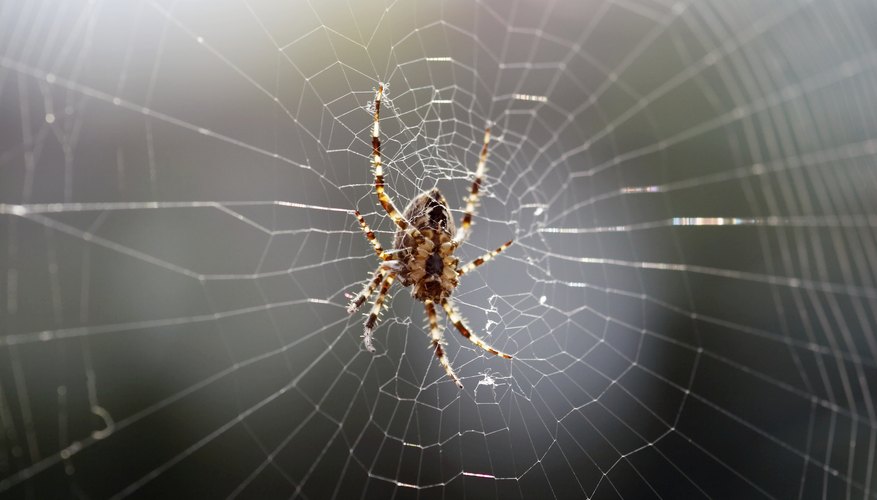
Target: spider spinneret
423 252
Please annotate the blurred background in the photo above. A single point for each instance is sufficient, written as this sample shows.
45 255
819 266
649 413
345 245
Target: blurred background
690 299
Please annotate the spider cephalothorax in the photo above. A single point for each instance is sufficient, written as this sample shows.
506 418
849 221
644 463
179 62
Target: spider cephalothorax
423 252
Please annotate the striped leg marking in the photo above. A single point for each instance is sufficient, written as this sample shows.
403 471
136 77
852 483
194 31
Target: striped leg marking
372 319
484 258
378 165
457 320
435 334
472 200
357 301
371 237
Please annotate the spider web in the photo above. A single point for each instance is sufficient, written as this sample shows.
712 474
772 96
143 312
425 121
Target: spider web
689 300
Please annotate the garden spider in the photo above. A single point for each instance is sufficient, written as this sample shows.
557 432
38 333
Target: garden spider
423 253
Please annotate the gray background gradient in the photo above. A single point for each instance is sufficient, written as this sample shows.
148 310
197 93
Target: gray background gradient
690 298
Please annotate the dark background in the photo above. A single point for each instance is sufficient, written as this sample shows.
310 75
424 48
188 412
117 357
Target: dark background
690 299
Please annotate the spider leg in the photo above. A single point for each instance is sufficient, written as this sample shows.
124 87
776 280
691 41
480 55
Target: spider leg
378 165
437 340
370 235
472 200
372 319
484 258
457 320
357 301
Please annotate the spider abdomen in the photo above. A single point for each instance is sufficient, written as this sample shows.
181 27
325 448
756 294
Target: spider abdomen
427 262
427 211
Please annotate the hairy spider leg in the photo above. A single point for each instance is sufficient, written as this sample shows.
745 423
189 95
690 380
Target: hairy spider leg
472 199
457 320
372 319
437 342
378 165
357 301
370 236
484 258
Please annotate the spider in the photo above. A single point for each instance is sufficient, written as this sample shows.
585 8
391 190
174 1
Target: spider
423 253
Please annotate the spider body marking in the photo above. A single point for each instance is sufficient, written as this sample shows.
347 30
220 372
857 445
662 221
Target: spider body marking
423 253
429 264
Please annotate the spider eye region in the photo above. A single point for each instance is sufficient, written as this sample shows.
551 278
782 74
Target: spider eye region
434 264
